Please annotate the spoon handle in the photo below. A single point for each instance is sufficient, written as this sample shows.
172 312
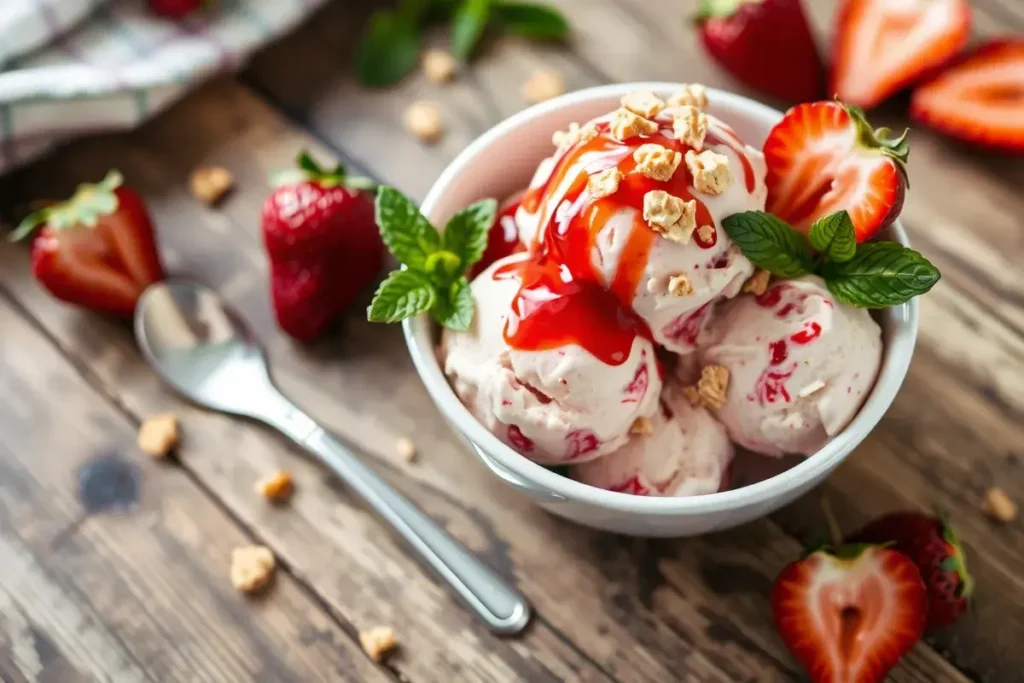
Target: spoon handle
503 608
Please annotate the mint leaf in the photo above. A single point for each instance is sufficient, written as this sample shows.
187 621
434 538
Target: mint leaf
834 236
531 20
467 232
881 274
388 49
770 243
402 295
406 232
468 26
454 308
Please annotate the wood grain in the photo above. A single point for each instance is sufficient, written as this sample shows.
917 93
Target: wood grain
115 565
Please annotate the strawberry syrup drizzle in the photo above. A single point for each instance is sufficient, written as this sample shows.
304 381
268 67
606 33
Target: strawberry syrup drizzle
561 299
502 239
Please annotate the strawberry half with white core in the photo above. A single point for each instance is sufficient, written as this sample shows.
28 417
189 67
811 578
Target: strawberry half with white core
883 46
981 100
824 157
766 44
849 616
96 250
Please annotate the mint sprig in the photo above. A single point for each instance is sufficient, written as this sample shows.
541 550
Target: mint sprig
870 275
390 45
433 278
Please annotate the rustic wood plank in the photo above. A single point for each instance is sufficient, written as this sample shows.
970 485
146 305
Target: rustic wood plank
963 211
114 565
604 595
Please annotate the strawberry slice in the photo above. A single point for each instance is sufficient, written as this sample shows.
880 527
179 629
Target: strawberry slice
882 46
824 157
849 617
981 100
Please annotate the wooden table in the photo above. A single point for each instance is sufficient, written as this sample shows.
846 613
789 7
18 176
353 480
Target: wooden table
113 566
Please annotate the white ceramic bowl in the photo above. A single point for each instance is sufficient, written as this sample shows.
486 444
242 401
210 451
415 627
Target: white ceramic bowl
501 162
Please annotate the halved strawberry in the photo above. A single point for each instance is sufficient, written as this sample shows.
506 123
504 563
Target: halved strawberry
882 46
824 157
981 100
849 617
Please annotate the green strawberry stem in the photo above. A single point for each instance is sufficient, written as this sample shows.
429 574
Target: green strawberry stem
86 206
897 149
309 169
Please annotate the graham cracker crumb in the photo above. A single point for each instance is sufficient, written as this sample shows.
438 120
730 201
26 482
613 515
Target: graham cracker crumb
680 285
439 66
605 183
690 95
543 85
423 119
710 171
642 426
690 126
625 125
643 103
713 386
999 506
758 283
377 642
158 435
252 568
563 139
276 486
406 449
670 216
211 183
656 162
706 233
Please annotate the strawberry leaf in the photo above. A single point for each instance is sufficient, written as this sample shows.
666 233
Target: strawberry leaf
881 274
530 20
770 243
403 294
454 309
466 233
388 49
834 236
409 236
468 26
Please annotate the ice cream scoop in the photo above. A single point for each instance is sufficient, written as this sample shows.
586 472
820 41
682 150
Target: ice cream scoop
560 385
608 208
682 451
800 365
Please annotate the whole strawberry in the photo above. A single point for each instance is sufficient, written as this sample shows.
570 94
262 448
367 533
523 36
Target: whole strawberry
96 250
767 45
176 9
934 547
323 245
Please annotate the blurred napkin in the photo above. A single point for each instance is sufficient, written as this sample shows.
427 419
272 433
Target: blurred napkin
71 67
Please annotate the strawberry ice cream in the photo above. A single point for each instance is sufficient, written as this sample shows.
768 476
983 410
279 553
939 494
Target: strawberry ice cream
589 202
554 402
800 365
683 451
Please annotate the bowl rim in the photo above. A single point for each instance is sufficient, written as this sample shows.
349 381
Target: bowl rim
417 332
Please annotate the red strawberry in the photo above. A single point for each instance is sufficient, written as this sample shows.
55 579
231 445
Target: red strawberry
883 46
980 100
176 9
849 617
767 45
97 249
502 240
323 244
934 547
824 157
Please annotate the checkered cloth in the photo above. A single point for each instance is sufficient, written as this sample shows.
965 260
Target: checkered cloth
71 67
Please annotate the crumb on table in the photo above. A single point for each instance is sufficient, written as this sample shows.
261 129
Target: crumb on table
276 486
999 506
158 435
252 568
543 85
406 449
377 642
439 66
423 119
211 183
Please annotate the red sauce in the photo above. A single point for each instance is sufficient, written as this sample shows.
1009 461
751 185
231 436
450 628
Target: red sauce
771 385
811 331
632 486
502 240
779 352
579 443
771 298
562 299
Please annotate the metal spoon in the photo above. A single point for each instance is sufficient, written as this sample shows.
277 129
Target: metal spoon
202 348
